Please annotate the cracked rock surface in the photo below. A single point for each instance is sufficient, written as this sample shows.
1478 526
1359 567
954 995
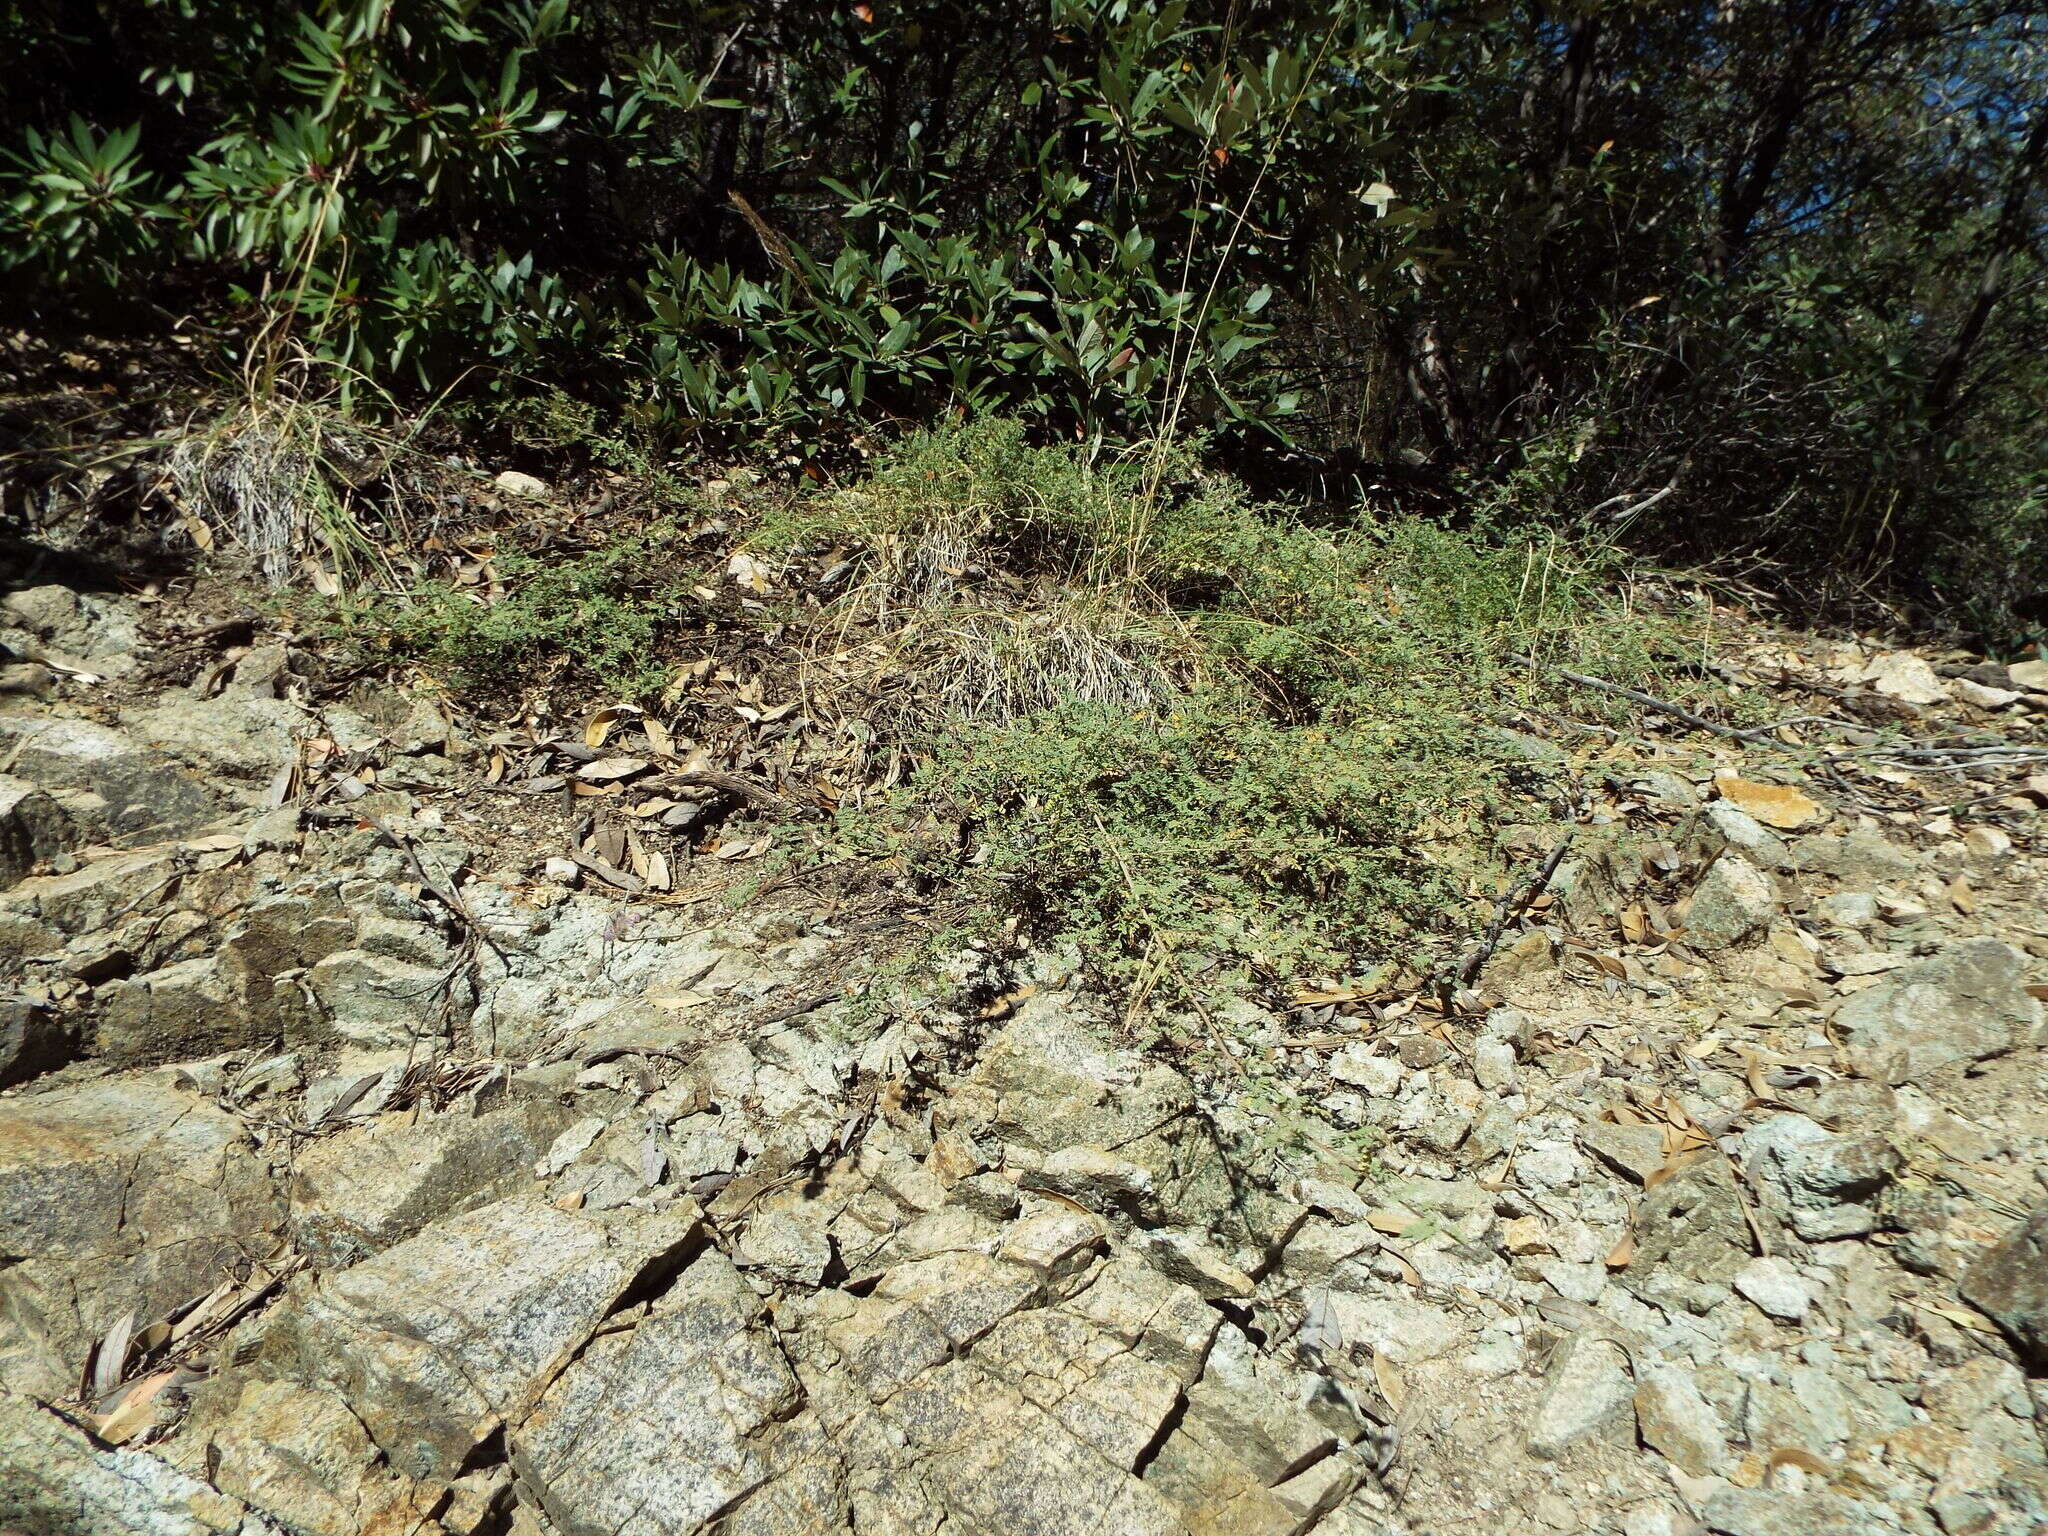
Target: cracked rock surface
357 1177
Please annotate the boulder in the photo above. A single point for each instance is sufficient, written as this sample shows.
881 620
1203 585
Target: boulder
243 734
370 1187
1589 1387
119 1196
1046 1082
2010 1284
87 627
34 1038
433 1342
1966 1003
1691 1238
374 1000
1825 1185
1675 1420
172 1014
33 830
1733 902
299 1455
146 796
701 1375
1760 1512
54 1480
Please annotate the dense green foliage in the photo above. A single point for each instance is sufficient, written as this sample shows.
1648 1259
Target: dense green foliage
1247 751
1761 277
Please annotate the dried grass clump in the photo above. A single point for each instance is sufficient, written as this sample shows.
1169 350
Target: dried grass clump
997 665
284 480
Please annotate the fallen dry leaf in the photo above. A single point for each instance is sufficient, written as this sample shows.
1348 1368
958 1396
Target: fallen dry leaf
110 1360
1949 1312
1391 1386
133 1414
599 730
1775 805
1623 1253
607 770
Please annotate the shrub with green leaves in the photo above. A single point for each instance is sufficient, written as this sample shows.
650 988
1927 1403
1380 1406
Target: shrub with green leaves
739 221
1211 843
598 615
1270 804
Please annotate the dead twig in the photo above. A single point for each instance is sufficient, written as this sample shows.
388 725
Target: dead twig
1512 905
1651 701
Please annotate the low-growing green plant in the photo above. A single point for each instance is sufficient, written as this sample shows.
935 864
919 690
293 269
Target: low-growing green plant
600 615
1219 846
1190 732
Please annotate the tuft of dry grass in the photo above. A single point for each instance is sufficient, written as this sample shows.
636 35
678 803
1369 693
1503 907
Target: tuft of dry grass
1001 664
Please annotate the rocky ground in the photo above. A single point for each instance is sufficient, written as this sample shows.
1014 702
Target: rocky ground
374 1164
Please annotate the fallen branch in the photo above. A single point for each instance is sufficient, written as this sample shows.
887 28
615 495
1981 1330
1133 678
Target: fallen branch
1651 701
1512 905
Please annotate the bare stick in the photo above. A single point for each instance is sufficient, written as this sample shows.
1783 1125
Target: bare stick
1651 701
1512 906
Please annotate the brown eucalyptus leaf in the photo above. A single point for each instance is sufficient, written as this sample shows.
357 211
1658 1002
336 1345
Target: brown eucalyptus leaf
134 1412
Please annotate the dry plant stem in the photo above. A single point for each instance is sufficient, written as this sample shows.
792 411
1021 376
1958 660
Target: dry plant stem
1512 906
1651 701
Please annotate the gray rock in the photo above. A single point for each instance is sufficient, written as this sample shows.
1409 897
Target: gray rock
410 943
1747 835
369 1187
1512 746
1849 909
1733 902
241 734
374 1000
1100 1180
1253 1405
1824 1184
1046 1082
33 830
1775 1286
1754 1512
297 1453
433 1341
88 900
146 795
54 1480
1677 1422
1493 1064
34 1038
84 626
702 1371
178 1012
115 1196
1669 789
1379 1076
1185 1259
1863 857
2010 1284
1967 1003
1636 1150
1588 1388
1691 1238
